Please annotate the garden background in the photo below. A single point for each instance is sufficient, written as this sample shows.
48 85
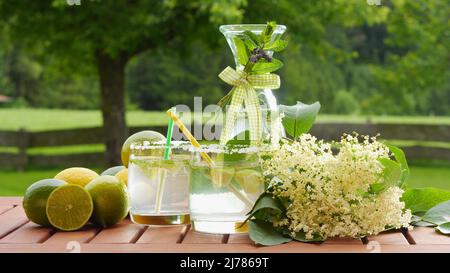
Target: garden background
120 64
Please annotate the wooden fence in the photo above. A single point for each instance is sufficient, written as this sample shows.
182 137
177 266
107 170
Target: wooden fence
23 140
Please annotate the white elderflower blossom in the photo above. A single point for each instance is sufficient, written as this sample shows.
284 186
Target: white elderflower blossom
328 193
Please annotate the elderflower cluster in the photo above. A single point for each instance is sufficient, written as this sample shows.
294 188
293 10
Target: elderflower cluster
328 193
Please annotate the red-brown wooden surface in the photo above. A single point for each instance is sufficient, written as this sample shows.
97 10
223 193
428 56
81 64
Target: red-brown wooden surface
17 234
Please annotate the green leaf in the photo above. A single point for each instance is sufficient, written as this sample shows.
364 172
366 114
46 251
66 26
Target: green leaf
421 200
240 140
444 228
266 35
252 36
241 50
277 45
265 203
400 157
299 118
438 214
264 233
391 176
300 236
250 44
263 66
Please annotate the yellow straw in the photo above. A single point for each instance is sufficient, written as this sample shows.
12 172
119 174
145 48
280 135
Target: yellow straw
189 136
206 157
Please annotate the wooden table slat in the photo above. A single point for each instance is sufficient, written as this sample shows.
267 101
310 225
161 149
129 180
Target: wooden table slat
28 233
428 236
122 233
11 220
17 234
193 237
163 235
83 235
389 238
5 208
11 200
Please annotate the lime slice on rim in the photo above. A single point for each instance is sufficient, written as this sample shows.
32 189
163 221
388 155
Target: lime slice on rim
69 207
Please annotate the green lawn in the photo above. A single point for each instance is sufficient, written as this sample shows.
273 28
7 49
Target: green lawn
49 119
15 183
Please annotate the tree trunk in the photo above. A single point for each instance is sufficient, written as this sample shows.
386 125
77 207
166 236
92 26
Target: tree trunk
112 87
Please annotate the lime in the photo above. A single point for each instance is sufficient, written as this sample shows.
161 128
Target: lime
69 207
123 176
77 175
148 135
222 177
250 180
113 170
110 200
35 200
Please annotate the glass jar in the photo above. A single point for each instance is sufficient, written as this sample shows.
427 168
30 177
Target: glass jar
272 128
159 188
223 190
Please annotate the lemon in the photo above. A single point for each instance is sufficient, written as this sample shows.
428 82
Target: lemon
35 200
250 180
69 207
222 177
113 170
123 176
110 200
77 175
148 135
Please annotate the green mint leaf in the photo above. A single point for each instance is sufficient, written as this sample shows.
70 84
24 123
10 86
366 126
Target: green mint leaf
240 140
444 228
264 233
400 157
250 44
298 119
277 45
242 53
263 66
421 200
253 37
266 35
438 214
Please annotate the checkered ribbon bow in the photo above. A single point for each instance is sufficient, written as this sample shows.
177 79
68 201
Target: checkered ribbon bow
244 94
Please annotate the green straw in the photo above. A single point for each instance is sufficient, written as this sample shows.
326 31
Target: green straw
169 135
162 173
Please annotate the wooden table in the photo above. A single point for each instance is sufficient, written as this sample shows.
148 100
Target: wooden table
17 234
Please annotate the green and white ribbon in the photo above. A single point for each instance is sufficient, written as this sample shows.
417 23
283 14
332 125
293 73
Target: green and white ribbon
244 94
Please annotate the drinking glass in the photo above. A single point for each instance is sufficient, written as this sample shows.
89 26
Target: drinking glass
159 188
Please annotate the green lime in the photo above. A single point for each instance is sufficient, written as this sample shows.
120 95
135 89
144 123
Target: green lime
110 200
113 170
148 135
222 177
250 180
69 207
35 200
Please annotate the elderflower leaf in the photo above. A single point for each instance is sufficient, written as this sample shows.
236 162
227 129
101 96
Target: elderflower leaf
438 214
444 228
264 233
298 119
400 157
421 200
